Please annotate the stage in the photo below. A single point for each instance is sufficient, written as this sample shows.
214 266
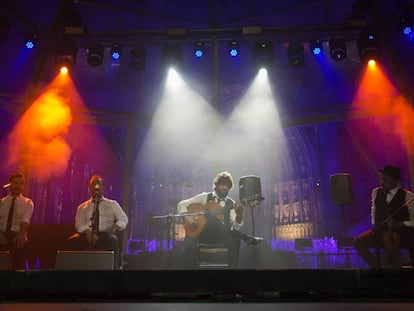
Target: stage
354 286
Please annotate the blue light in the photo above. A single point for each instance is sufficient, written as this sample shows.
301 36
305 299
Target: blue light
116 55
317 51
29 44
198 53
407 30
233 52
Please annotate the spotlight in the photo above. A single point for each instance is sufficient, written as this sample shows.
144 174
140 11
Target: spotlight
316 47
30 42
171 55
234 49
116 52
407 27
338 49
65 55
263 54
95 55
296 54
199 49
137 58
368 47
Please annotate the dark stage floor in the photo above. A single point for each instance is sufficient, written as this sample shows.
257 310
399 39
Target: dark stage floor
205 286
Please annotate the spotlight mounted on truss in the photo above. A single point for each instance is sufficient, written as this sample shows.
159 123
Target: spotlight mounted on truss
116 52
65 54
199 49
316 47
95 54
296 54
263 54
337 49
368 47
234 48
171 55
137 58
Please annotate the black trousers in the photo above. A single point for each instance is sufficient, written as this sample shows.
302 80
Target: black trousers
106 241
371 240
19 255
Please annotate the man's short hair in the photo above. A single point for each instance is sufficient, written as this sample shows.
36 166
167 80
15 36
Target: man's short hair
16 175
96 177
224 178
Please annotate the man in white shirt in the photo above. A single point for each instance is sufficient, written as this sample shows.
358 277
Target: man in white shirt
392 214
15 214
222 222
97 220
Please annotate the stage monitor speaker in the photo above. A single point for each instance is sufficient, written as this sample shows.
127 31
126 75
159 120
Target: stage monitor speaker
5 261
341 189
84 260
250 189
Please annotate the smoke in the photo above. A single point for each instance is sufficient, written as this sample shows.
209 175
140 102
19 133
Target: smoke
37 143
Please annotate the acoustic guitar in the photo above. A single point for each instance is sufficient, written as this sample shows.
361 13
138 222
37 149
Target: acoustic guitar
194 225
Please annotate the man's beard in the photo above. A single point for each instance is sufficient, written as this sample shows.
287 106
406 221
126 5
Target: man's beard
222 193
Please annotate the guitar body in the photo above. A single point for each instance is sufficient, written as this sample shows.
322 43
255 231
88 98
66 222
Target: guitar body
194 225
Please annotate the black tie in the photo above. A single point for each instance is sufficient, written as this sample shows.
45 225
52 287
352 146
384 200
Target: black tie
95 223
10 216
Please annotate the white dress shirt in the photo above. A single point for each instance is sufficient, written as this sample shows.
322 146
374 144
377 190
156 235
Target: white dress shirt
390 195
23 211
110 214
202 199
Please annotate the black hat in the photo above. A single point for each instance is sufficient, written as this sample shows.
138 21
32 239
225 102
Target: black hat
392 171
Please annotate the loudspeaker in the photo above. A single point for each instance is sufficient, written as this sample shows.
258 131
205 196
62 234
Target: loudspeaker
250 189
341 189
5 260
84 260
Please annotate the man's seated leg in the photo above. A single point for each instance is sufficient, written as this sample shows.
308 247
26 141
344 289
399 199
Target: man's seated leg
362 244
77 241
109 241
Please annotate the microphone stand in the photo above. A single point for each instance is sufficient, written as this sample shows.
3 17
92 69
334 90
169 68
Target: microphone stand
95 228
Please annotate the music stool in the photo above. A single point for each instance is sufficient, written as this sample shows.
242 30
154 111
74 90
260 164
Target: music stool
5 260
211 256
84 260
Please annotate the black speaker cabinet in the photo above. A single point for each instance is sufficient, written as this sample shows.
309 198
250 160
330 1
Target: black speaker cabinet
341 189
250 189
84 260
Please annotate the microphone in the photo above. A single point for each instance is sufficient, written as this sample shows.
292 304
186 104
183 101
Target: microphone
7 185
96 188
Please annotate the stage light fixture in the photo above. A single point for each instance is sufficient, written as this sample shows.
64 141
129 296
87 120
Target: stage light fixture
368 47
316 47
296 54
137 58
234 49
116 52
199 49
65 54
407 27
30 42
95 55
171 55
337 49
263 54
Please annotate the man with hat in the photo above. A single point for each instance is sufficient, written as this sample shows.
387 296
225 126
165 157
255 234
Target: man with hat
392 211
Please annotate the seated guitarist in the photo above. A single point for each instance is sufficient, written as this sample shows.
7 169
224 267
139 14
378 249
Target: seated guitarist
215 219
